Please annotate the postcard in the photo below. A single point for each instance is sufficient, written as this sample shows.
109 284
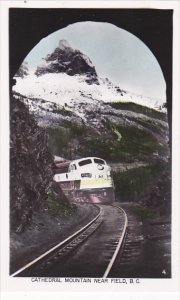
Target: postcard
90 149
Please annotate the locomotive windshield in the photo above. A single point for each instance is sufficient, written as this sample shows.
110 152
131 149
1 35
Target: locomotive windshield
85 162
99 161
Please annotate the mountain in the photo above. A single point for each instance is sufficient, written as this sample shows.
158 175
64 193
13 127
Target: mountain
65 59
68 77
87 115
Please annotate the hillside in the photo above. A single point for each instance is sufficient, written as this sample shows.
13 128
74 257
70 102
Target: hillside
31 187
117 135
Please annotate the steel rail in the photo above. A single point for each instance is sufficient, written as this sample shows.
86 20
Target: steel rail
119 245
61 244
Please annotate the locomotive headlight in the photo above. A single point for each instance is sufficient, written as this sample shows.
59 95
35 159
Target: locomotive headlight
100 167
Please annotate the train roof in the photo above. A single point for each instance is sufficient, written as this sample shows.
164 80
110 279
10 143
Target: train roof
65 163
84 158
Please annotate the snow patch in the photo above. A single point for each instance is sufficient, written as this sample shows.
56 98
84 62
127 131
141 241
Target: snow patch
69 90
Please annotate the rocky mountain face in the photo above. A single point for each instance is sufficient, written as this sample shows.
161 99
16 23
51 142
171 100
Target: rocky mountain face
30 168
65 59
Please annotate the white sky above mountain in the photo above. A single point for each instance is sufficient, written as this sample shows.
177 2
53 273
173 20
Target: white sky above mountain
115 53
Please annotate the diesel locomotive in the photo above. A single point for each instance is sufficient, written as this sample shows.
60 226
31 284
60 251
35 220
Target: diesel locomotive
86 180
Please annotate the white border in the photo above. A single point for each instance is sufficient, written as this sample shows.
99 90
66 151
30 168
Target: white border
23 288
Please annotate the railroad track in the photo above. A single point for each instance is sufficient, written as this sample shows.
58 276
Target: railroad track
90 252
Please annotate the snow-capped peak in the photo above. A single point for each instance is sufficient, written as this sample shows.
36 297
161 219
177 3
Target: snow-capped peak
67 76
65 59
64 44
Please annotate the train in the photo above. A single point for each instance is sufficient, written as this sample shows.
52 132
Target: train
86 180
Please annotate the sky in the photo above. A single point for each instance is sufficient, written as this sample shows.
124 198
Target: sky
116 54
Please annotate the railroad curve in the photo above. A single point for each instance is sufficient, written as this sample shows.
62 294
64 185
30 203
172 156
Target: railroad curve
89 252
